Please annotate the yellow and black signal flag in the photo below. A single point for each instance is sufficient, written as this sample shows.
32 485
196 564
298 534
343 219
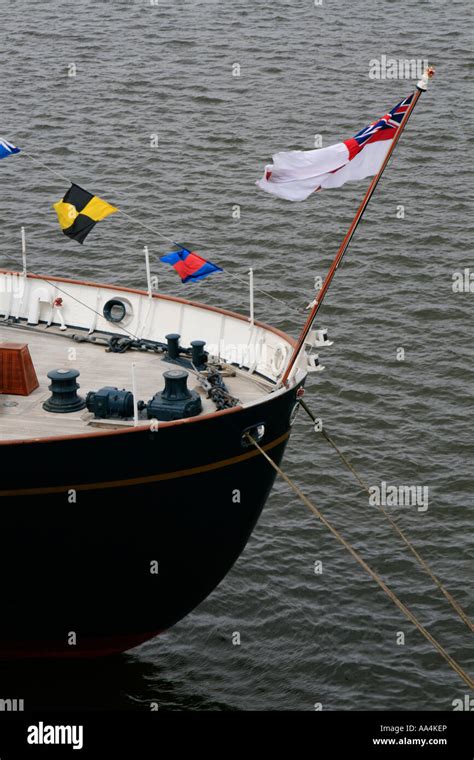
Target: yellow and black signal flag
79 211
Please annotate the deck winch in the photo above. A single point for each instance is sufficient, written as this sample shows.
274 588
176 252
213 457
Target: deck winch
174 402
63 388
110 402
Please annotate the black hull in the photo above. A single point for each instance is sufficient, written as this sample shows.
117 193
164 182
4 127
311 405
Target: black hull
83 567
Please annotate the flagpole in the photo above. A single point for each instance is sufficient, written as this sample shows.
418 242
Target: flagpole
421 87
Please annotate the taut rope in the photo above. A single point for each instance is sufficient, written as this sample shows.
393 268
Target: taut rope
454 604
440 649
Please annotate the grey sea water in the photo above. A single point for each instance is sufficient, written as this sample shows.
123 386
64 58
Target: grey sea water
168 70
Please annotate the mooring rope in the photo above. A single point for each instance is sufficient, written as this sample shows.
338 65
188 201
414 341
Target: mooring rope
394 598
454 604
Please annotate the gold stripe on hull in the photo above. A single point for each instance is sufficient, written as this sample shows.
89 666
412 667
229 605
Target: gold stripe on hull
146 479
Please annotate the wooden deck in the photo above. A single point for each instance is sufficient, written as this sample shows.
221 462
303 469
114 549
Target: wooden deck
52 349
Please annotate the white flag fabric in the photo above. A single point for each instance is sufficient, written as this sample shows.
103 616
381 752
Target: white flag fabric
296 174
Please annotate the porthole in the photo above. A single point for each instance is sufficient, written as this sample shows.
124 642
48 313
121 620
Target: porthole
115 310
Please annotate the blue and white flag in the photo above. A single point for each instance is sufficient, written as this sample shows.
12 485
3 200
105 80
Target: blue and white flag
7 149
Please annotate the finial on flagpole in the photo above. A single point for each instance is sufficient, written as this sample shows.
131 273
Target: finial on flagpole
428 74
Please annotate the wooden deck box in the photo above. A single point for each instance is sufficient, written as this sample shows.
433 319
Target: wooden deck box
17 373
